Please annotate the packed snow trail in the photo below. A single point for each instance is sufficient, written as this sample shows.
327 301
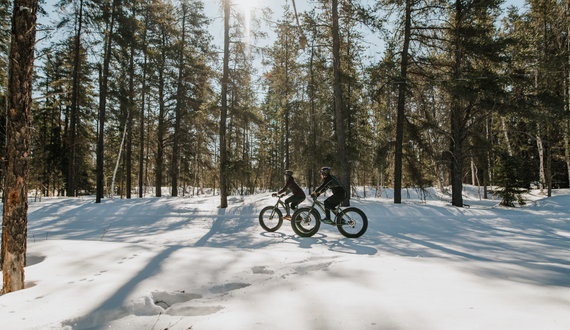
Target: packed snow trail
182 262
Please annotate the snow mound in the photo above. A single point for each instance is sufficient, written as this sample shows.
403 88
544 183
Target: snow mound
154 303
554 203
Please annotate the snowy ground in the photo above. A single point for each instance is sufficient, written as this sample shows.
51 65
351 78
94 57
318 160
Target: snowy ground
180 263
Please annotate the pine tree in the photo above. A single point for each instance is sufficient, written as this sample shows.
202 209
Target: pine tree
469 39
510 179
15 218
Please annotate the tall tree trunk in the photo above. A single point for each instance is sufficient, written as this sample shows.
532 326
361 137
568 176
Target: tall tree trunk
102 106
567 91
313 170
287 109
74 95
540 146
487 173
224 108
178 109
160 132
341 140
18 130
457 121
143 99
401 107
131 107
548 168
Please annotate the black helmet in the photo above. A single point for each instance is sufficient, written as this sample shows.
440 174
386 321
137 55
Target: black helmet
288 173
326 171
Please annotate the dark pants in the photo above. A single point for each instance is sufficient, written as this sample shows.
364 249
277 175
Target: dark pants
332 202
294 200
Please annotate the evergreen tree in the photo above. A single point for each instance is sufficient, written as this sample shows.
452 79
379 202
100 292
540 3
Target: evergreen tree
511 178
469 39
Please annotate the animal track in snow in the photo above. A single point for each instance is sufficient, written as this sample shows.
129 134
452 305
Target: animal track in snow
228 287
304 269
262 270
167 299
174 304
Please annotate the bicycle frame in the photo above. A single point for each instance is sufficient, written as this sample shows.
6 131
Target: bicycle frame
321 206
279 202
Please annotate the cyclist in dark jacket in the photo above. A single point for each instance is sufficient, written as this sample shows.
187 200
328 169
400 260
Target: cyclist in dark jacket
338 190
298 193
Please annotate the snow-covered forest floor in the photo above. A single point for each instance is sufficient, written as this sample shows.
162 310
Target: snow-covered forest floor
180 263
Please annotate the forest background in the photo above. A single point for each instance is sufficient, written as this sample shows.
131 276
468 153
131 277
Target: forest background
466 91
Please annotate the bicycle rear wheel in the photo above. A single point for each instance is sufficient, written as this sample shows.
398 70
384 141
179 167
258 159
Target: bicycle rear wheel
270 218
353 222
305 223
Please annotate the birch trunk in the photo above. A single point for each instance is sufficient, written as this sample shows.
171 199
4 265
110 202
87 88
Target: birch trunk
119 156
507 137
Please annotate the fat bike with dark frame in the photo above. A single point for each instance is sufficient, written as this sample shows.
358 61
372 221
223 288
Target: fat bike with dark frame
350 222
271 217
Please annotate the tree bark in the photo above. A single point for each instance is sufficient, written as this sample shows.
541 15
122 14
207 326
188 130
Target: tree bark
567 103
287 110
18 130
457 121
401 107
313 169
178 109
131 107
102 107
224 108
341 140
143 100
161 126
540 146
119 159
76 67
507 137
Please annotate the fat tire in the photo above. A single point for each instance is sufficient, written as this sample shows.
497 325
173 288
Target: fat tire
361 223
305 231
264 221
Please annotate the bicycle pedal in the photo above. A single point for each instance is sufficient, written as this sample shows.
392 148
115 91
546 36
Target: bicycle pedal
286 218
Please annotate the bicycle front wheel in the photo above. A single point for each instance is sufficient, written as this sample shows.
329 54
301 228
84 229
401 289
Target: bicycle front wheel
270 218
305 223
353 222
